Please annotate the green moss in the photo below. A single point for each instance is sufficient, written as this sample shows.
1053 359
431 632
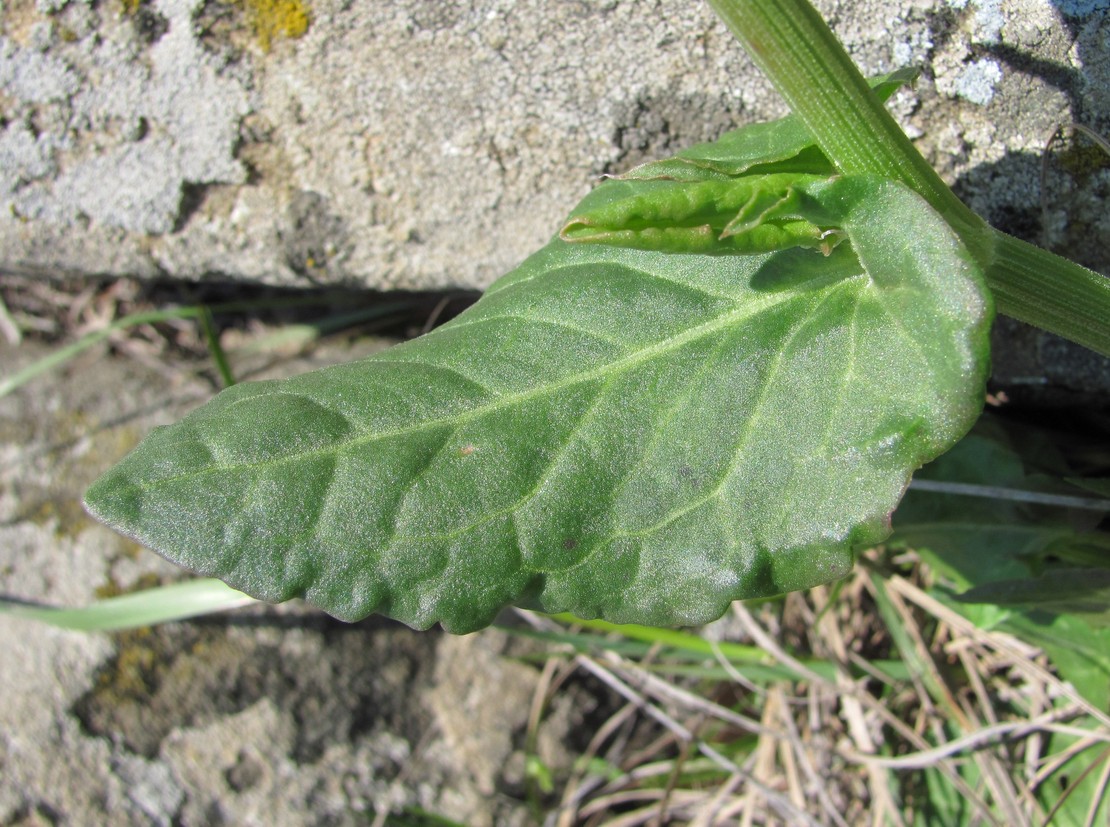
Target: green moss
65 514
55 499
136 671
1083 159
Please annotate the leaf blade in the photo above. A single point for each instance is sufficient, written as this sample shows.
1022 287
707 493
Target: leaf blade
636 435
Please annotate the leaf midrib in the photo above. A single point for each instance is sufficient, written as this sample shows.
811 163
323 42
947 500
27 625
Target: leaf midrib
622 363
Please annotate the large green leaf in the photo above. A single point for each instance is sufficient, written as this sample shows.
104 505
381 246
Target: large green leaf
631 434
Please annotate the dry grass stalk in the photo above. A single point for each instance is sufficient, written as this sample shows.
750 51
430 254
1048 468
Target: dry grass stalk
848 747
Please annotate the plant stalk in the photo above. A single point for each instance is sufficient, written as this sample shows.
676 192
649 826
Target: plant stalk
792 44
1050 292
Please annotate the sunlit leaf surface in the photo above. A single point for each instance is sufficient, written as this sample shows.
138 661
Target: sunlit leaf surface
642 435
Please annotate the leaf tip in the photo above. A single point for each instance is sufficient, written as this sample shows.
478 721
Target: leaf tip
113 501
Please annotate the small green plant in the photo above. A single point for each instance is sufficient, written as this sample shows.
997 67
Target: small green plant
715 384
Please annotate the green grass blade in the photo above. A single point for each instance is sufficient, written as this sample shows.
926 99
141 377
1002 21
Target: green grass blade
736 654
177 601
64 354
204 314
671 638
212 339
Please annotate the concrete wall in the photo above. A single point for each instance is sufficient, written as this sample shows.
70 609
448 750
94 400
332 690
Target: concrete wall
419 144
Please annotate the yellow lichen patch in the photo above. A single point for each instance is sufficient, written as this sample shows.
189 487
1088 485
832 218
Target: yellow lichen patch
277 18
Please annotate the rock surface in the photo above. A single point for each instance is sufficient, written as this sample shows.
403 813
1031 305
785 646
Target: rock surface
419 144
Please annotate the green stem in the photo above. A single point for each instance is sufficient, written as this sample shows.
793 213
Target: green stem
212 338
801 56
1050 292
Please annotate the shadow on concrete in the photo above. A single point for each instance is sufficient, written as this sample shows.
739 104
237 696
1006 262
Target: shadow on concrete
1033 368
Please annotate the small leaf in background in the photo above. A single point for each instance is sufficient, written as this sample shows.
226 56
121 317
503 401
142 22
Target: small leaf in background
1041 572
1083 592
1098 486
751 214
1029 568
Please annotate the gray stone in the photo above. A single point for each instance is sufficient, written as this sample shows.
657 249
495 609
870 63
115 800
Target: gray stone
34 78
151 789
426 145
977 82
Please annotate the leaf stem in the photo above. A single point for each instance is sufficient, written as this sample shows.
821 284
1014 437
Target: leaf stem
801 56
792 44
1050 292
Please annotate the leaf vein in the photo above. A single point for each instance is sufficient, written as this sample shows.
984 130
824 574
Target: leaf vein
629 360
749 429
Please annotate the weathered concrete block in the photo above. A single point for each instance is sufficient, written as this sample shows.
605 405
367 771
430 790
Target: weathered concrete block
420 144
